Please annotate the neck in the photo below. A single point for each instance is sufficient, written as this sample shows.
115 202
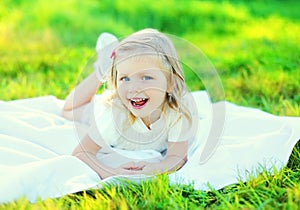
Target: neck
152 118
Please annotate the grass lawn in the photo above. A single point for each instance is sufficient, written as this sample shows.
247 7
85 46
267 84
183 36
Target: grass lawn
254 46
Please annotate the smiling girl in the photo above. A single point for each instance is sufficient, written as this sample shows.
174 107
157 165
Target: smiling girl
144 113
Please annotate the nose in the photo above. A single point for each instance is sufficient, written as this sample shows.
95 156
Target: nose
134 88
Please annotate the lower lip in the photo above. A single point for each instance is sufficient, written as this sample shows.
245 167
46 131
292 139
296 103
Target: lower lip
139 107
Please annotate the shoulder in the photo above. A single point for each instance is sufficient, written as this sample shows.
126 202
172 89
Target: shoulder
176 119
182 125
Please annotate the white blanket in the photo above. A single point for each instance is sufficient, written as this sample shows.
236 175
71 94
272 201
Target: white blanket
36 143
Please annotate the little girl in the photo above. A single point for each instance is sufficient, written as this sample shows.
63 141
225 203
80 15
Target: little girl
142 113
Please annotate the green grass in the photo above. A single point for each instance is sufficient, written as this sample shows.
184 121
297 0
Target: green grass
254 46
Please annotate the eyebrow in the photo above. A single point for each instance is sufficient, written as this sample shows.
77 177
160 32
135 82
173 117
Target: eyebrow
121 75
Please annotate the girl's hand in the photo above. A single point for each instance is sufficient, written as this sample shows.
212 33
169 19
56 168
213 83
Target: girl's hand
142 167
151 168
117 172
133 166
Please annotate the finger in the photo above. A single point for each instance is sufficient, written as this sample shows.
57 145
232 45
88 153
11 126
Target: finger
131 166
136 168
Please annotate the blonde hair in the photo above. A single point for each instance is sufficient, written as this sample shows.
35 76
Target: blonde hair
152 42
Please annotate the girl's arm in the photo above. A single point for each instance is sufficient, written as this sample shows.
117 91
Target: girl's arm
175 158
81 95
87 150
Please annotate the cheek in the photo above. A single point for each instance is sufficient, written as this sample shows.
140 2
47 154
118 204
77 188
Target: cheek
158 92
162 85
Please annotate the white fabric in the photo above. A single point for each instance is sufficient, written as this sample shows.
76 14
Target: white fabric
36 143
111 127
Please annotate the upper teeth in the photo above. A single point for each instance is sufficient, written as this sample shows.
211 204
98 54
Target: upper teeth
138 99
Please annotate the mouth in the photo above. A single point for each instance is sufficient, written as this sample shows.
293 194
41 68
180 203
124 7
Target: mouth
138 103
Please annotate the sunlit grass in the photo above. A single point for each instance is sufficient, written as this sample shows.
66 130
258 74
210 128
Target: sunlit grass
254 46
277 190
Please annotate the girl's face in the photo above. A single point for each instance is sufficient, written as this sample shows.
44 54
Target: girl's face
142 86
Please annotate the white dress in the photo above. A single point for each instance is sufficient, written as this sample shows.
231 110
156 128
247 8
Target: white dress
111 129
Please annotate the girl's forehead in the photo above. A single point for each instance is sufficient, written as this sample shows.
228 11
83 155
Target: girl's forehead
142 58
139 62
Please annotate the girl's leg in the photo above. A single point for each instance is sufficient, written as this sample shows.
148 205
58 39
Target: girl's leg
80 98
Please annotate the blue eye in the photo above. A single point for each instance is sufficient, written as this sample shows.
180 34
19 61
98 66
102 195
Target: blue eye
124 79
147 78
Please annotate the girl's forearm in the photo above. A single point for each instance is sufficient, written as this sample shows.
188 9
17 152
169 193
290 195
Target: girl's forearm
82 93
173 163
